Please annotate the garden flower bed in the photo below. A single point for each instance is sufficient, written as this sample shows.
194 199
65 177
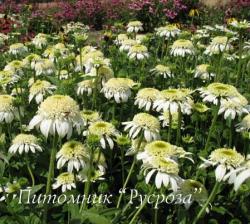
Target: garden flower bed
133 124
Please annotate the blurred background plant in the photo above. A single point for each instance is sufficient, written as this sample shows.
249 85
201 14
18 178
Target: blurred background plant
49 16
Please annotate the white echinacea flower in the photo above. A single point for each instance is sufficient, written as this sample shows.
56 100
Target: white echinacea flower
66 181
74 154
182 48
145 98
145 124
105 131
118 88
57 114
24 143
225 160
134 27
39 89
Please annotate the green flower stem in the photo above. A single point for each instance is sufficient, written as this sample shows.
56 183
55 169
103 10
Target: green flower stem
123 168
170 125
120 213
160 42
238 79
95 89
9 132
141 75
88 183
141 207
156 216
50 176
209 200
178 136
162 49
81 57
19 110
219 67
30 173
230 140
130 171
212 126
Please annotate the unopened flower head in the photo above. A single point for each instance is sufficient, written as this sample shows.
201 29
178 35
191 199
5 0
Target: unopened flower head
118 88
40 40
90 116
24 143
219 44
225 159
7 109
17 49
57 114
182 48
74 154
168 31
85 86
138 52
202 72
134 27
145 124
66 181
162 70
172 99
105 131
215 91
145 98
40 89
200 107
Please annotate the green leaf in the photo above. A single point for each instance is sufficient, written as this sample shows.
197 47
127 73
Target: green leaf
94 218
28 194
4 158
220 210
